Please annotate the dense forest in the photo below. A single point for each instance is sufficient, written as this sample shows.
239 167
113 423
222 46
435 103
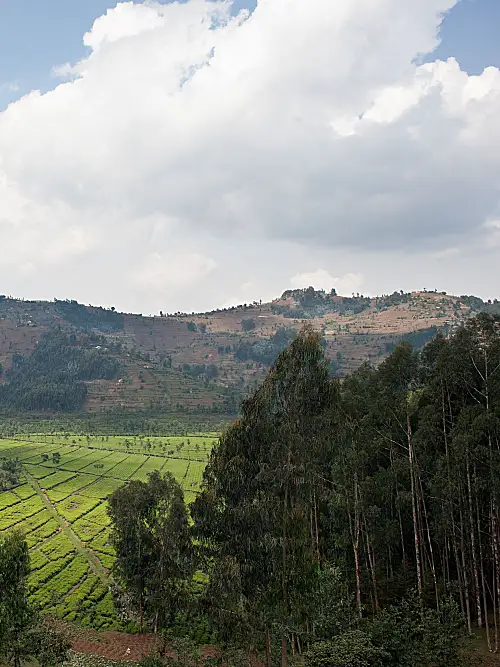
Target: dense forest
265 351
88 318
52 377
349 521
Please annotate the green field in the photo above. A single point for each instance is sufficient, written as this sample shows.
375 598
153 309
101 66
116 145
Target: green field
60 504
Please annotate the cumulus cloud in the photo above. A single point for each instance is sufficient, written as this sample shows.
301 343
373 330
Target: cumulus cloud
306 132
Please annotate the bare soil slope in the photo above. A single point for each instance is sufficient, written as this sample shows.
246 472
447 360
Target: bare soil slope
204 363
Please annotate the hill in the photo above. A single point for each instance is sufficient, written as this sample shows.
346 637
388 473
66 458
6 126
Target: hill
64 357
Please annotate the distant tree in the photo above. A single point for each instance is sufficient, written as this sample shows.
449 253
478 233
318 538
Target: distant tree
53 376
192 326
56 457
10 470
248 324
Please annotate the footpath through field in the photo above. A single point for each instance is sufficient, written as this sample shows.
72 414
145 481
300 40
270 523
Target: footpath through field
93 561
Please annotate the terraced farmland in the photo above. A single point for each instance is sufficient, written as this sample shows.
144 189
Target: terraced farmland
60 504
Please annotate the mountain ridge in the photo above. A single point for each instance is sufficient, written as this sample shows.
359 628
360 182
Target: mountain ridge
205 363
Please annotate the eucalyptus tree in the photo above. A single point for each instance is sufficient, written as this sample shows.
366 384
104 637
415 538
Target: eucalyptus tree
150 532
258 513
24 635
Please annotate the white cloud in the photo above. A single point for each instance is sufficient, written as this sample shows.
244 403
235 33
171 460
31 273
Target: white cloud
161 272
445 253
10 86
305 133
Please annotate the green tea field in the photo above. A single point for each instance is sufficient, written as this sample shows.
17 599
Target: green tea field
60 504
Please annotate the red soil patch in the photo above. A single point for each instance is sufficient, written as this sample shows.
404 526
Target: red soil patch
114 645
120 646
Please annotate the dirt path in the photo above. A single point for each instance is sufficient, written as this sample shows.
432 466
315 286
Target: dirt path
94 562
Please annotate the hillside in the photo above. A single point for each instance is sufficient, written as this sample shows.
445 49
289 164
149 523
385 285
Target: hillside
197 364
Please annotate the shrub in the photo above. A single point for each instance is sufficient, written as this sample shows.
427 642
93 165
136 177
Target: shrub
248 324
149 661
351 649
413 637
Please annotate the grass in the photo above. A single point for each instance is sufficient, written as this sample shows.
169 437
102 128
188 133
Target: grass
59 547
10 516
24 491
152 463
42 533
75 506
56 478
7 498
60 504
128 467
86 529
76 483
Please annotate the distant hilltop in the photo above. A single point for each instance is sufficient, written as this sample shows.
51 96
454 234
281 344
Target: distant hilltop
63 356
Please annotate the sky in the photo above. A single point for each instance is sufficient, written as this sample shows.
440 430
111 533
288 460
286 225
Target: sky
165 156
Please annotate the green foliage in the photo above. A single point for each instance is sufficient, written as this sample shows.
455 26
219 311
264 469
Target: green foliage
151 661
248 324
311 303
90 317
23 634
351 649
254 511
47 645
332 604
329 500
417 339
206 371
265 351
319 510
181 652
411 637
52 378
154 553
10 470
15 612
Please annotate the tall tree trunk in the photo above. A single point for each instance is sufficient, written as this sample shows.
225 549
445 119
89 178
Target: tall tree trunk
459 572
316 526
373 574
431 550
403 550
355 544
495 584
481 565
464 569
140 612
284 651
414 506
284 563
496 559
268 647
472 536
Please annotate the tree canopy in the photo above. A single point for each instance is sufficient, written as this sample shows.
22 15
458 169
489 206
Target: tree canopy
358 491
